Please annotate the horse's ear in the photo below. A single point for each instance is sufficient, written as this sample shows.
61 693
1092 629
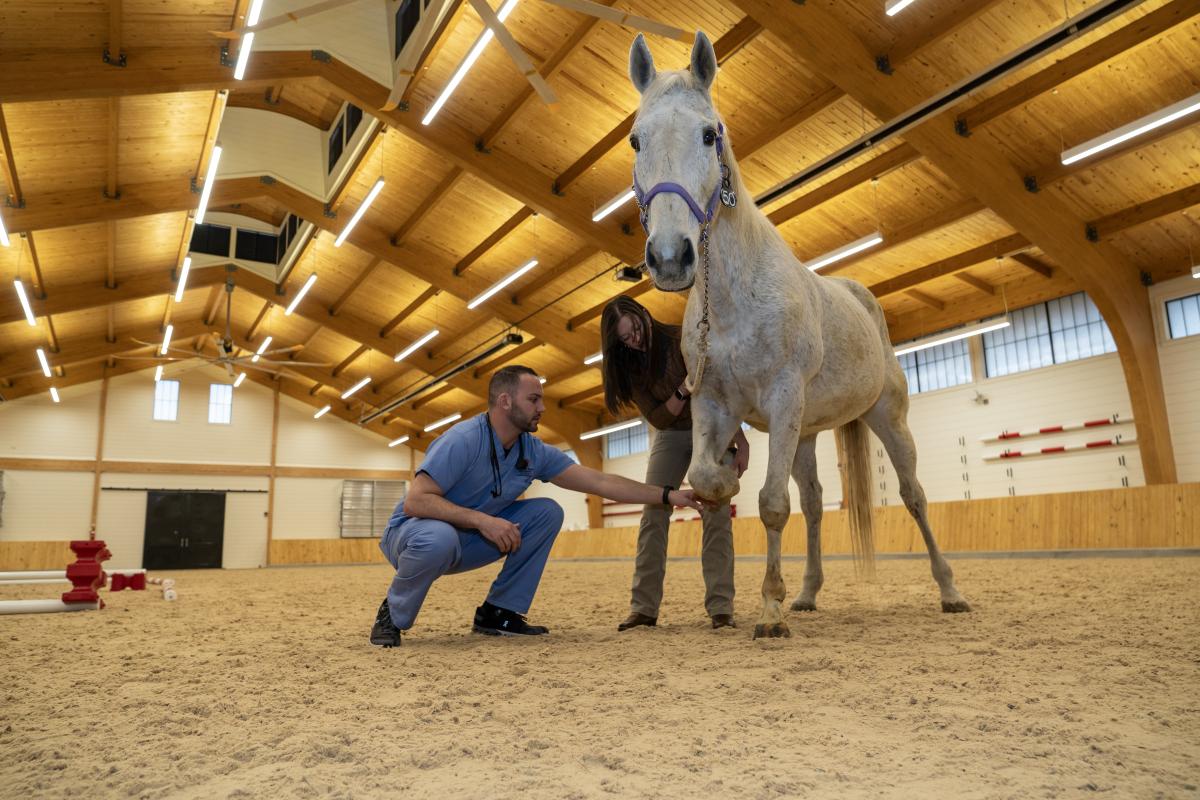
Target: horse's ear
704 60
641 64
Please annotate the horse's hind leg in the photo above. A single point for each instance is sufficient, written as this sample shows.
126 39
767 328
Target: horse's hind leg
804 472
888 419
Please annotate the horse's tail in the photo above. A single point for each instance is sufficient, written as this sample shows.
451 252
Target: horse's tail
855 444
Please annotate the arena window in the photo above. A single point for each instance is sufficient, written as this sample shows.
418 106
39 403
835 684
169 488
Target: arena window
937 367
220 403
627 442
1056 332
166 400
1183 316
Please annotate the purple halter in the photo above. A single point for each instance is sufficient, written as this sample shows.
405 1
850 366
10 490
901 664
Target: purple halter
722 191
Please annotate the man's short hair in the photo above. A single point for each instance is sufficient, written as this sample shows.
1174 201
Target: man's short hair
505 381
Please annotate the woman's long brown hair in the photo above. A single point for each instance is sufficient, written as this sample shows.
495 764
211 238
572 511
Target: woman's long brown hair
624 366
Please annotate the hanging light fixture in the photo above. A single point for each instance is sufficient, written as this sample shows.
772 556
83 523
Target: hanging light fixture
415 346
322 412
346 394
894 7
358 214
166 339
262 348
845 251
300 294
505 281
41 354
613 205
401 440
240 379
25 303
607 429
467 63
239 70
954 336
158 373
433 426
209 179
594 358
1134 129
183 276
54 394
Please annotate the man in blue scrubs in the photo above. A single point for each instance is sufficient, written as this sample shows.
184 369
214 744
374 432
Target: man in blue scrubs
462 511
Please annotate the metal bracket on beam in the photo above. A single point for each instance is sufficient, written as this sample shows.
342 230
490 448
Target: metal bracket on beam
883 64
1031 184
402 105
108 196
9 203
322 56
481 148
226 61
1092 234
1146 278
961 127
557 191
267 180
119 61
625 229
267 98
329 212
193 186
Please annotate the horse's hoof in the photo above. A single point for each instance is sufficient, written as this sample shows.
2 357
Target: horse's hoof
955 607
779 630
804 605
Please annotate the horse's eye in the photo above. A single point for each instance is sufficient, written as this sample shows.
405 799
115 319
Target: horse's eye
634 143
710 136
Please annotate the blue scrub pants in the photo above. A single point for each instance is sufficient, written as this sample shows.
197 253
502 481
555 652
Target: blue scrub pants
423 550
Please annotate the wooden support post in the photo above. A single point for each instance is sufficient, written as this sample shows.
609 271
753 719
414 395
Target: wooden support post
589 455
99 456
271 476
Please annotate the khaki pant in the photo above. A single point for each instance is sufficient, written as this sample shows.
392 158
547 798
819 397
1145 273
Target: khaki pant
669 459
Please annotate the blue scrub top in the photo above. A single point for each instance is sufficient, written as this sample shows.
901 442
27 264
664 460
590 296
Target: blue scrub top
460 463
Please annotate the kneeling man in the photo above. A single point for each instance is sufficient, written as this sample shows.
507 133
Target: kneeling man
462 511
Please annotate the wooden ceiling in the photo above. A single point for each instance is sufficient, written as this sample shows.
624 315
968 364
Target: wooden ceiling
98 160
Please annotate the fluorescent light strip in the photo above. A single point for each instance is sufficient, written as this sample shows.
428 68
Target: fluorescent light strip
857 246
247 41
240 379
521 270
415 346
362 209
209 179
54 394
356 387
3 233
166 339
45 364
322 412
25 303
158 373
594 358
973 330
395 442
466 64
300 295
261 348
613 205
1132 130
894 7
183 276
1196 271
607 429
433 426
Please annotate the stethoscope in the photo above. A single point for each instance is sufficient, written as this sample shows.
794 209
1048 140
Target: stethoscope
522 463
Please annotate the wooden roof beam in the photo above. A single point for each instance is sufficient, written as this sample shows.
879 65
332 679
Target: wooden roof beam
258 320
428 294
580 397
497 236
9 164
431 50
348 360
595 311
1121 41
978 284
363 274
557 271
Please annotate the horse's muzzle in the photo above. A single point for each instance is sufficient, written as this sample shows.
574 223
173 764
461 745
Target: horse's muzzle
673 266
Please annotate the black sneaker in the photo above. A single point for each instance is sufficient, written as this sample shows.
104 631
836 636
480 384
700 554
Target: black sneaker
384 633
495 621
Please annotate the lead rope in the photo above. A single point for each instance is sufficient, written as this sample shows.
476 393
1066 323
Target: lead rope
694 383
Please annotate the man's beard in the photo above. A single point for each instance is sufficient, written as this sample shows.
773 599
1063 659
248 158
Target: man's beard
522 422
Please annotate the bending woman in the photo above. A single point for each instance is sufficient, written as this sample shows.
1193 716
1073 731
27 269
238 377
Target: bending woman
643 367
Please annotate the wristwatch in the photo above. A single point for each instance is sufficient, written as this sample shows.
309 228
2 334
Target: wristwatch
667 495
683 397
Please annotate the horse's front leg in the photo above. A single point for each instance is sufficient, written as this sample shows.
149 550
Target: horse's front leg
711 474
774 506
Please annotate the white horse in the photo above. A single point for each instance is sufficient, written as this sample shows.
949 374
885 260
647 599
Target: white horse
766 340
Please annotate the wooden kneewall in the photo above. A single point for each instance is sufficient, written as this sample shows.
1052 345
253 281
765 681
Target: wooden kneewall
1165 515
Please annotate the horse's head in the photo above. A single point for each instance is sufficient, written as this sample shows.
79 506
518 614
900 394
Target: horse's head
677 166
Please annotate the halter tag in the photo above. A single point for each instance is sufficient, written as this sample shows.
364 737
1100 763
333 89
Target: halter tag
728 198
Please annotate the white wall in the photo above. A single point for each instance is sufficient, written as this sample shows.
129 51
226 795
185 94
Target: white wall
948 425
356 34
256 142
53 505
574 504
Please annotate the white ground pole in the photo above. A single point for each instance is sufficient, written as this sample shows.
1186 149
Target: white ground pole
51 576
43 606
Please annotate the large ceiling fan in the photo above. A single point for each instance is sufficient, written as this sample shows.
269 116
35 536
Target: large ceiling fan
230 356
493 22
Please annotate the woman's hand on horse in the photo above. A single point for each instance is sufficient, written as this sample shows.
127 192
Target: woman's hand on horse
741 459
686 498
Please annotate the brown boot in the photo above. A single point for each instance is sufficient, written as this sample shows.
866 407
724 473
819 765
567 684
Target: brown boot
723 621
635 619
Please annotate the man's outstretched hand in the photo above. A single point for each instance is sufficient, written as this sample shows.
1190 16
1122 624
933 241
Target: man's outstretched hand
687 498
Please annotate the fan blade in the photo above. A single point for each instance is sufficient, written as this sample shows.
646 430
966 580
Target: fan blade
299 363
515 52
644 24
290 16
151 358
